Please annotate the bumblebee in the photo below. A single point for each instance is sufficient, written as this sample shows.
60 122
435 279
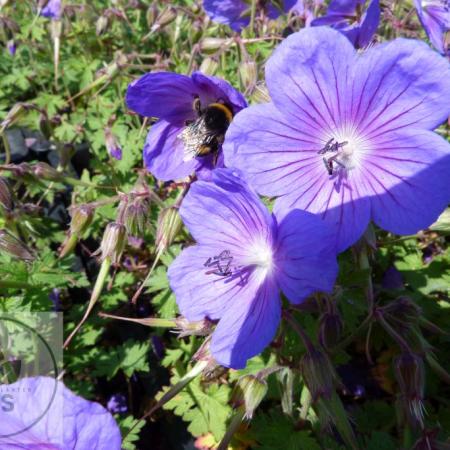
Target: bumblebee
203 135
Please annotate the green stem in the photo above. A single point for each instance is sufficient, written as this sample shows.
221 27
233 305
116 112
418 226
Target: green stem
399 339
7 149
174 390
252 17
98 287
364 264
69 245
11 284
150 321
299 330
232 428
343 344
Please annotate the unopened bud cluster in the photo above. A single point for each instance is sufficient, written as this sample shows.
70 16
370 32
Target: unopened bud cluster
136 215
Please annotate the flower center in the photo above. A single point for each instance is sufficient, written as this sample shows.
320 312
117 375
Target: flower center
259 255
343 151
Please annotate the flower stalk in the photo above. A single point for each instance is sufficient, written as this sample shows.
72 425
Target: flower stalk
98 287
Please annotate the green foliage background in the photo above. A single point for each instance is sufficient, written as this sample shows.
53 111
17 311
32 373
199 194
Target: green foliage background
109 356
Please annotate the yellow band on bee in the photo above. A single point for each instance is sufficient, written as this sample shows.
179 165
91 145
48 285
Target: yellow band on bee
224 108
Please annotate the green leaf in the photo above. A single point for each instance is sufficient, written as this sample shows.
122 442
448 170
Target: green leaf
271 429
381 441
129 438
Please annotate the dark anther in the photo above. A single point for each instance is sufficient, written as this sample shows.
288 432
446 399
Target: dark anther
221 264
332 146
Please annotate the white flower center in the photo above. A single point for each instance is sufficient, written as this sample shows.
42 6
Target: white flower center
344 150
260 255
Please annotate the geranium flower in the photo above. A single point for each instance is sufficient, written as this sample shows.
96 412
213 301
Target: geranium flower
236 13
52 9
435 18
352 19
40 412
348 133
170 97
243 258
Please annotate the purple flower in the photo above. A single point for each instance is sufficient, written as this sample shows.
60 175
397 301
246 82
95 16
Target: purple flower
350 18
171 98
41 413
435 18
347 135
11 46
52 9
243 258
236 13
117 404
112 144
306 9
55 297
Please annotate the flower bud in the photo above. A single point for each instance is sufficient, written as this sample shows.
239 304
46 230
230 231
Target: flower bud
410 375
249 393
136 216
212 44
14 114
112 144
403 314
56 28
261 94
166 16
14 247
318 373
198 328
6 201
209 66
169 225
101 25
248 72
47 172
151 15
113 242
81 219
428 441
330 329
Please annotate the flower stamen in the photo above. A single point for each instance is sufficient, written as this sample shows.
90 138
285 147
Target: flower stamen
337 148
